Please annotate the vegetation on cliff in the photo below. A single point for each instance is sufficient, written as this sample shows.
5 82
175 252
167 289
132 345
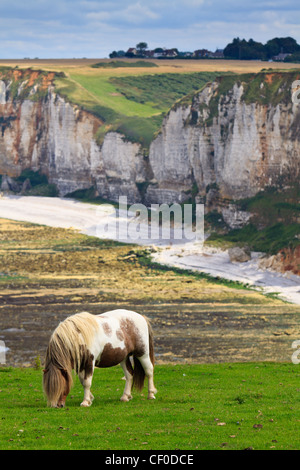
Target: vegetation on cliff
27 83
127 99
268 87
133 105
274 225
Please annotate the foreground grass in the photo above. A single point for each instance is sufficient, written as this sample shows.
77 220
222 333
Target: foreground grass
220 406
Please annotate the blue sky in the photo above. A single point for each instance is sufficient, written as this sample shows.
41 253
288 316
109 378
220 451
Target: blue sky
93 28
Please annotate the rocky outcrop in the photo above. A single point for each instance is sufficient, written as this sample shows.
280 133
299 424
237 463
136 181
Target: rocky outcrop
286 260
231 140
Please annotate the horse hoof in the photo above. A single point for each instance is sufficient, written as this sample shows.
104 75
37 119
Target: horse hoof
151 396
126 397
85 403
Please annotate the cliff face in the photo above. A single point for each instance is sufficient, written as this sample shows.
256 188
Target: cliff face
236 136
43 132
227 141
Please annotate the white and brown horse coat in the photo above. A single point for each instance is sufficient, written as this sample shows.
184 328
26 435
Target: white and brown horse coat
85 341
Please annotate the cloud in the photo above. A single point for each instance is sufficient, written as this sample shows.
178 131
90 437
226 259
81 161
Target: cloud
93 28
137 13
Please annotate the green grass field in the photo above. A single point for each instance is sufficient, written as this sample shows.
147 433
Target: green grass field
221 406
131 104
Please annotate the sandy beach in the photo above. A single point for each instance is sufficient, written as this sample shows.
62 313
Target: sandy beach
100 221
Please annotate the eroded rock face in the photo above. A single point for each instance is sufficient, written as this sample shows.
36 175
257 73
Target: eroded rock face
286 261
222 146
238 146
59 139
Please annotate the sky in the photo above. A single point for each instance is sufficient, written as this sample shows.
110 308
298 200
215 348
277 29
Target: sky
94 28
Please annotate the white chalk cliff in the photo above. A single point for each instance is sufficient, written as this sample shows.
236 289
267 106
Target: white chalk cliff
225 143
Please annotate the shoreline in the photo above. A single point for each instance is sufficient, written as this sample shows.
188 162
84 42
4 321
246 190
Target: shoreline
92 219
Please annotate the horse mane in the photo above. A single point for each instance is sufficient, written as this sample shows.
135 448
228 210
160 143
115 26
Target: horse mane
65 352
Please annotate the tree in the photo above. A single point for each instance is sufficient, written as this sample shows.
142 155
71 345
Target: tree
293 58
245 50
141 47
285 45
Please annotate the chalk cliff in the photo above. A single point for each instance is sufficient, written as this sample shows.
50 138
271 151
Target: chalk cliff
231 139
41 131
230 142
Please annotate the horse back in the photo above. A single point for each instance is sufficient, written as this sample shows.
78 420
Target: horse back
123 333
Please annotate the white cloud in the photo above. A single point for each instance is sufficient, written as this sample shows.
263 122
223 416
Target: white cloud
194 3
93 28
99 16
137 13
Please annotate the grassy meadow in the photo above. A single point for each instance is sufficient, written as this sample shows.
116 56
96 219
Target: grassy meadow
52 272
214 407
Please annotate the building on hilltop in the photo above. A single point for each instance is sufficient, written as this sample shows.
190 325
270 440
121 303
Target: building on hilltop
280 57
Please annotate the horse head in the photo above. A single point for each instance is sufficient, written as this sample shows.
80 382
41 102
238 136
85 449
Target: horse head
56 384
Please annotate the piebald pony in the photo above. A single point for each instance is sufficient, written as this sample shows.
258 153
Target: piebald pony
85 341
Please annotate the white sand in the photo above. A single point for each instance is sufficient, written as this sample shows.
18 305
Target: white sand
92 220
217 263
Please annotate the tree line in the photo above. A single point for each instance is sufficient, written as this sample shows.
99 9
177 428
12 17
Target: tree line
253 50
285 49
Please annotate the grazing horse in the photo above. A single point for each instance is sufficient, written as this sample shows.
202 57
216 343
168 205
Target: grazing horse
85 341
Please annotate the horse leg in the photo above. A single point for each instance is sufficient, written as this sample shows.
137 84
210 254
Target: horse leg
86 382
128 372
149 370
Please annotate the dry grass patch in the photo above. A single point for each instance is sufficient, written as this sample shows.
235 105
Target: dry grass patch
40 260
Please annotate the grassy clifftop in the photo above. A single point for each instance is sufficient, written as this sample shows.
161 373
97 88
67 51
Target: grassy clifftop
133 105
128 100
268 87
132 98
27 83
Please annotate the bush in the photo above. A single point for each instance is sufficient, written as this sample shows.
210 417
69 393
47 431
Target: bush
35 177
45 190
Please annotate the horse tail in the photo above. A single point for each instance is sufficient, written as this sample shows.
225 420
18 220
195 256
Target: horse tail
138 371
138 375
